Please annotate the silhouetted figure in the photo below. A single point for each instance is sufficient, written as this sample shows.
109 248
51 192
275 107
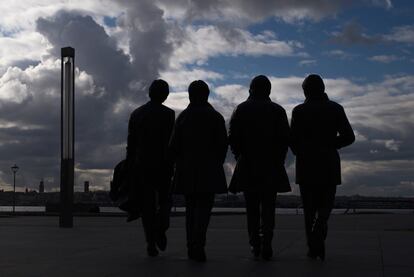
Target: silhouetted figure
259 133
319 128
199 147
149 130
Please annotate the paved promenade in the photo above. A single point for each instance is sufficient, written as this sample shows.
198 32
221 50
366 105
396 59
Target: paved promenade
358 245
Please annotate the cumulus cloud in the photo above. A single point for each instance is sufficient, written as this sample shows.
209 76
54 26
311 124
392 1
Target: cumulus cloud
180 79
175 40
240 11
203 42
382 116
110 83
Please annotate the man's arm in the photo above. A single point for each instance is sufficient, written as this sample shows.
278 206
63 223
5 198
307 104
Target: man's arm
169 158
346 135
235 133
222 140
293 137
175 142
131 140
283 136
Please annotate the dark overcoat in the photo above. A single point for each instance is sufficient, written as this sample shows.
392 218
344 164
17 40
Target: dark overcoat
149 131
259 133
319 127
199 146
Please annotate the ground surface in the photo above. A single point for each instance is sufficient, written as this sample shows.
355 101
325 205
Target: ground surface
358 245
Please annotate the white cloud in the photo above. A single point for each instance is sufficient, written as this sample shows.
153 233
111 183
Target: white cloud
203 42
404 34
180 79
246 11
177 100
339 54
307 62
110 83
390 144
384 58
377 178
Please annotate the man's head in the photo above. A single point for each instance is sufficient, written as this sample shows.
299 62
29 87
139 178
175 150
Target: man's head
260 86
313 86
158 91
198 92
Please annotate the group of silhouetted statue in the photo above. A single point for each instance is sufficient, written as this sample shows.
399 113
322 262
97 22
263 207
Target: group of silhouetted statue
185 156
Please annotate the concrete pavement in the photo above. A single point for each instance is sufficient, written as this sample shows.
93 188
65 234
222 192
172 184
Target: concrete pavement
357 245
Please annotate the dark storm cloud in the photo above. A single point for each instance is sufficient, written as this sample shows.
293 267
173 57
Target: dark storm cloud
96 52
110 83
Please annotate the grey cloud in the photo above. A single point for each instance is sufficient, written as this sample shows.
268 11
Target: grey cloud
96 52
241 10
110 83
352 33
23 64
381 114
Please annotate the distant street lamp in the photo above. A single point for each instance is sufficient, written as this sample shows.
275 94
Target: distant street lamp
14 169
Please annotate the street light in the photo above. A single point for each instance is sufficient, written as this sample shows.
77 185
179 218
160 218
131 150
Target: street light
67 136
14 169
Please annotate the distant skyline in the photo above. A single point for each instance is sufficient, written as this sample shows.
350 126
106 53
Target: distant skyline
363 49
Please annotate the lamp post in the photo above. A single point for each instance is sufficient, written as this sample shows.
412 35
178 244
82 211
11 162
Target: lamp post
14 169
67 136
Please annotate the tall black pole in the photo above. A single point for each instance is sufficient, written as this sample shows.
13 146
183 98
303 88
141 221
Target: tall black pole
67 136
14 191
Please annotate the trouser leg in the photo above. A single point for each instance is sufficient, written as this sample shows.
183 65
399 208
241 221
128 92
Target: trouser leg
149 207
268 205
252 200
189 219
164 209
204 204
309 211
326 200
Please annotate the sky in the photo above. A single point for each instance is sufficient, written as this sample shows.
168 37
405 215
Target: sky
362 49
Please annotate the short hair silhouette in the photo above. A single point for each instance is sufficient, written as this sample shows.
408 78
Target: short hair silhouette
158 90
260 85
198 92
313 85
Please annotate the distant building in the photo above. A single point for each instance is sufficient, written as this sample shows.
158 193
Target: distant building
41 187
86 186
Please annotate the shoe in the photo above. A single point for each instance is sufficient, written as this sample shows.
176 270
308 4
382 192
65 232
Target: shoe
255 251
198 255
190 253
132 216
321 251
152 251
311 254
162 242
267 252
